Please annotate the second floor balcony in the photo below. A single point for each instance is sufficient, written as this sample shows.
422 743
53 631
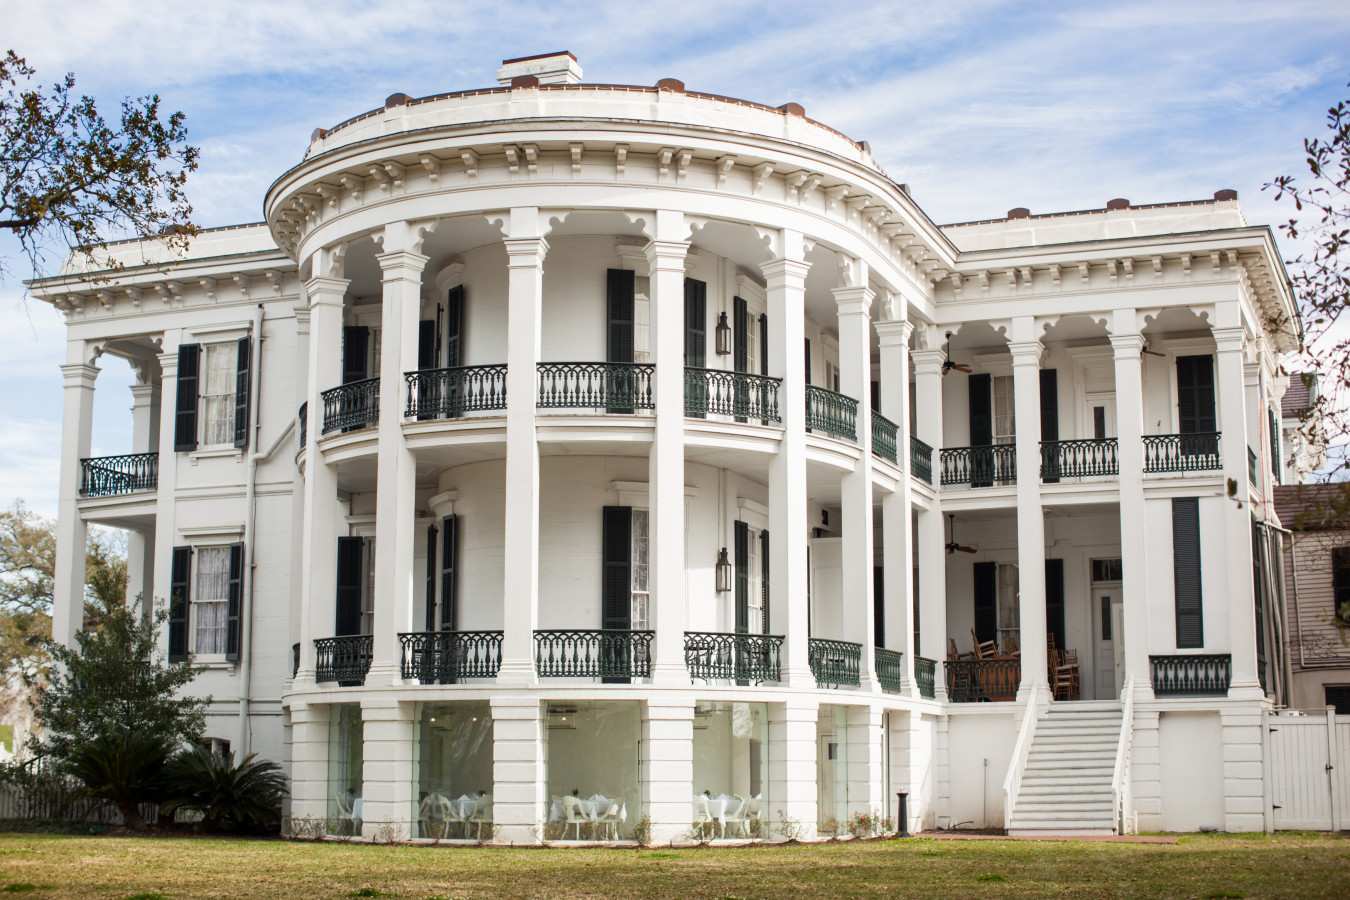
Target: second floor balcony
110 476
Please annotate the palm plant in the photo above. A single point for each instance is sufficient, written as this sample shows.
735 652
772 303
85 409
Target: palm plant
123 767
246 793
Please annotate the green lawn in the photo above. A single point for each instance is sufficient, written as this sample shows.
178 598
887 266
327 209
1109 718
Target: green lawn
1287 865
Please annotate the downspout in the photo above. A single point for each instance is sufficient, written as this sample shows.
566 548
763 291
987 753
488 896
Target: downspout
241 745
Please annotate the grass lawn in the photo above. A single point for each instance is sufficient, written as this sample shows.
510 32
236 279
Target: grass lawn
1209 866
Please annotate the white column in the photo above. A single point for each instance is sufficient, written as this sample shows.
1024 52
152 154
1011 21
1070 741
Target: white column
1128 344
788 528
1026 355
931 534
792 762
386 773
309 761
395 467
865 761
77 424
896 540
518 767
668 767
853 307
145 408
665 479
298 510
525 251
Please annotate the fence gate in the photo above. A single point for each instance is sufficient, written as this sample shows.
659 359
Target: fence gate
1308 770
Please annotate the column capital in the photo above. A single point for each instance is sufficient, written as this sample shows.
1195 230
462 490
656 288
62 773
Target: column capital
1229 340
1130 344
927 362
853 301
525 252
785 269
401 265
894 334
141 393
324 289
666 256
81 374
1026 353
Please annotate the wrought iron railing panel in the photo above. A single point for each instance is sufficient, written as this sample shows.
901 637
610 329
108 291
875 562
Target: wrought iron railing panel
1182 452
925 676
304 423
619 387
445 657
1079 458
832 413
108 476
733 657
721 393
890 669
834 663
921 459
295 660
433 393
353 405
345 660
884 438
977 680
599 653
979 466
1191 675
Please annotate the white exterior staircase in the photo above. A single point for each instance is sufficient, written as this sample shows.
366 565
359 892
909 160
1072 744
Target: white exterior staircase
1066 787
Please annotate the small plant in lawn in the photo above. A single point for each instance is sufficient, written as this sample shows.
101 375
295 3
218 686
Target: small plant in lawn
830 825
245 794
789 827
308 828
700 832
19 887
642 831
386 832
366 892
990 876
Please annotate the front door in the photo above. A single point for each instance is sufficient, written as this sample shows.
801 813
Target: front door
1108 647
1101 415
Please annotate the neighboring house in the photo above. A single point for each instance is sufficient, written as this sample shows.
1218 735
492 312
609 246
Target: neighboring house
557 455
1303 434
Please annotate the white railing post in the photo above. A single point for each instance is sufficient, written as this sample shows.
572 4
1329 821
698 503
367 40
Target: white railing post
1012 782
1120 776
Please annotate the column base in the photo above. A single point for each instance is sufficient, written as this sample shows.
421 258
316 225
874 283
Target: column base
517 673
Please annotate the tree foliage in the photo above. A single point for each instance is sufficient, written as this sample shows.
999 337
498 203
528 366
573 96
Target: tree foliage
126 768
69 177
243 794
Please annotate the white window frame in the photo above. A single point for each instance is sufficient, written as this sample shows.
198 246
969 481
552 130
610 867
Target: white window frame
197 602
225 398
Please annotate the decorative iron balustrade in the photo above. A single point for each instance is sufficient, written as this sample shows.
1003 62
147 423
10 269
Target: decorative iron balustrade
435 393
734 657
979 466
884 438
738 394
445 657
832 413
614 387
295 660
921 460
1191 676
925 676
598 653
1182 452
890 669
304 423
1252 469
354 405
345 660
1079 458
108 476
834 663
981 680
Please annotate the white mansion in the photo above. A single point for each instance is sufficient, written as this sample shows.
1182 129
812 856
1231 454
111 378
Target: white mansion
556 455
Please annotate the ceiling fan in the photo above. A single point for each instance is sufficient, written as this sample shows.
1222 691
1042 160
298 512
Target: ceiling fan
947 364
952 545
1145 349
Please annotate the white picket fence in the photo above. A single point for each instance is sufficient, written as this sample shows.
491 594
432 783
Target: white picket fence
16 803
1308 770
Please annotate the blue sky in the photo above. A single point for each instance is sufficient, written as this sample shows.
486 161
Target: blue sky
980 106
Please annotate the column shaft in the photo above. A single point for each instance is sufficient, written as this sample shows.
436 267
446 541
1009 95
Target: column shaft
77 424
166 530
668 764
386 774
1026 353
792 764
518 768
930 529
1128 344
896 540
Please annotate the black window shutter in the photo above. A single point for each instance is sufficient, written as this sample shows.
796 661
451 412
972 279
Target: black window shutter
1274 445
1259 597
1050 426
431 577
1195 395
242 385
236 601
185 407
180 595
764 345
454 327
914 586
1340 583
1186 566
695 323
879 606
742 578
981 410
1054 600
986 601
355 346
426 344
764 580
740 350
874 392
620 295
350 551
449 567
616 585
808 360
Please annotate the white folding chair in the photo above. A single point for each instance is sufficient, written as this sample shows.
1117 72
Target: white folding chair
609 822
736 815
482 815
574 815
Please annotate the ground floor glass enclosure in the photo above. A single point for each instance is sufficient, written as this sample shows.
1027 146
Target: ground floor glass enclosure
346 758
452 771
731 767
594 771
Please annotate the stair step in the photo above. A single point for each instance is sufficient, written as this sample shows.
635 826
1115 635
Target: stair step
1065 786
1067 829
1087 740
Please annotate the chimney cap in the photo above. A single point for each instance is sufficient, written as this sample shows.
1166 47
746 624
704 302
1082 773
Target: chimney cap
1019 212
525 81
559 67
1118 203
793 109
1225 194
397 100
670 84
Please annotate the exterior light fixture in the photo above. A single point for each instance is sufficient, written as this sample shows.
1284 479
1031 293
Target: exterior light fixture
723 571
723 336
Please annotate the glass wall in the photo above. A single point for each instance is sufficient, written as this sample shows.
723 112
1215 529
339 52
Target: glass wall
832 769
731 768
594 775
346 736
452 771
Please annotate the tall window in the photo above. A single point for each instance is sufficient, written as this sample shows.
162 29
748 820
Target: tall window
368 589
210 602
1005 422
639 568
218 393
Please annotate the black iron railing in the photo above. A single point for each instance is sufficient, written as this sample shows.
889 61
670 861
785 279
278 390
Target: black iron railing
921 459
1191 676
884 438
599 653
890 669
354 405
433 393
1252 468
108 476
834 663
979 466
616 387
832 413
1182 452
295 660
925 676
345 660
304 422
1079 458
733 657
739 394
445 657
977 680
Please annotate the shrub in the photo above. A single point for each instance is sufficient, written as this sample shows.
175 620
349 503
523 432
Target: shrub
123 767
243 794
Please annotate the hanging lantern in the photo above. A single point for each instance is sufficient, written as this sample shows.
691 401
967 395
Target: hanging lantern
723 335
723 571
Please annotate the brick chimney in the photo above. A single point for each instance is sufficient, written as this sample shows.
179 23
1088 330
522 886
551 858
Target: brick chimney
549 68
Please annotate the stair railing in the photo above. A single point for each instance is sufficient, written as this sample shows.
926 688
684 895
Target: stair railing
1120 776
1012 783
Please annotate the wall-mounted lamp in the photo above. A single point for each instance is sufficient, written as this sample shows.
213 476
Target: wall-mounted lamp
723 335
723 571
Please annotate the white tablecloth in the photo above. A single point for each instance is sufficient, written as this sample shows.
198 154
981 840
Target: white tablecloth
464 806
594 807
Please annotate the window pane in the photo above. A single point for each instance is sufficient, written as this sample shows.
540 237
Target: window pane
209 602
218 393
1004 420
